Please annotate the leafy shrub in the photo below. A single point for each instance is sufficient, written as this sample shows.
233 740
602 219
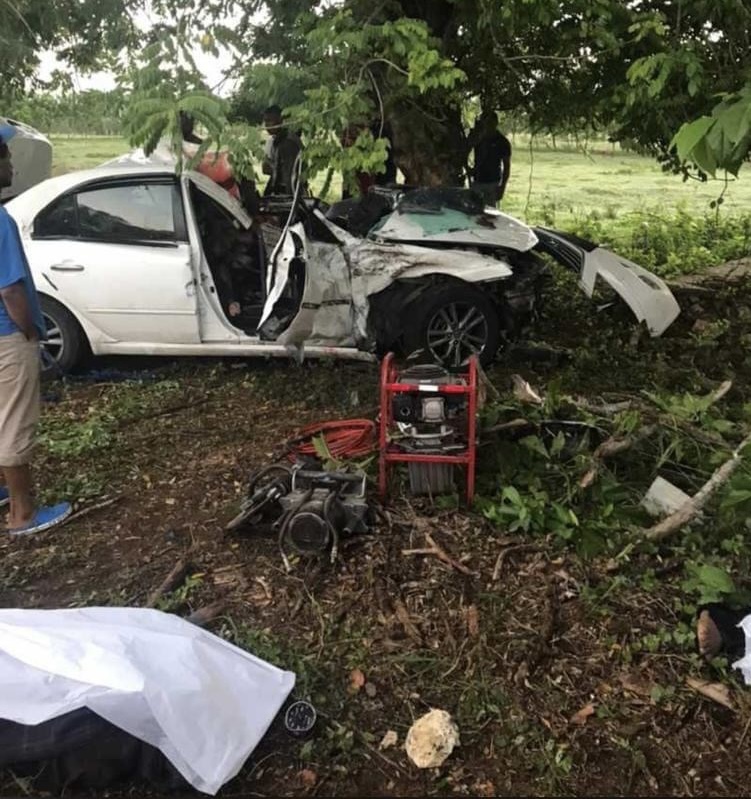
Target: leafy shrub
673 243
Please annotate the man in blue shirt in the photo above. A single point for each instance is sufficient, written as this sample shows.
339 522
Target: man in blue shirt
21 328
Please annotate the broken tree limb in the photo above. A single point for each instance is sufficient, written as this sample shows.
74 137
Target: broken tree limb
208 613
605 409
402 614
610 447
514 424
178 574
505 552
690 509
439 552
90 509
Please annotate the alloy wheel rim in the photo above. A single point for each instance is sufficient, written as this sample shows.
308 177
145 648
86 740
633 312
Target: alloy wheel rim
455 332
54 345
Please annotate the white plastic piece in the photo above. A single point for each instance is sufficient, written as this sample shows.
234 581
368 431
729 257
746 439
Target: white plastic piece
744 664
663 498
431 739
202 701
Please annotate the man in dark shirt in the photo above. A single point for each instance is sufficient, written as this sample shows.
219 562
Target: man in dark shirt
492 151
281 156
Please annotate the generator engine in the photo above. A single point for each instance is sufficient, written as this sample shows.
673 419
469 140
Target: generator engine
319 509
428 422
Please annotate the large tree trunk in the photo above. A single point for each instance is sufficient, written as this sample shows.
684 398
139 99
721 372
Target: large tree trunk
429 144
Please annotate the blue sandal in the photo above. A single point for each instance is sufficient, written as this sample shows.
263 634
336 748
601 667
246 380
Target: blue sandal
4 496
44 519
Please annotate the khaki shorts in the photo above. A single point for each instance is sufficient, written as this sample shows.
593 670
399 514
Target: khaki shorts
19 398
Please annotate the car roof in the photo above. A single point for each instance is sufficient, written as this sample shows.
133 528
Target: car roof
24 207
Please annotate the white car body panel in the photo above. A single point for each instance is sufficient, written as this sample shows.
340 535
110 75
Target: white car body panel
646 294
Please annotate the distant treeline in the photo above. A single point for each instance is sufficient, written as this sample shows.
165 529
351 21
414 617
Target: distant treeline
95 113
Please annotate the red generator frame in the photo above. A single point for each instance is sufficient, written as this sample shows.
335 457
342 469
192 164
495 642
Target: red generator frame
389 454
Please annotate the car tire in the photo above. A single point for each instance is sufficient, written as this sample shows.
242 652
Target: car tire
66 341
451 321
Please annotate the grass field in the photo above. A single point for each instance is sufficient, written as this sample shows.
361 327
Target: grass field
547 184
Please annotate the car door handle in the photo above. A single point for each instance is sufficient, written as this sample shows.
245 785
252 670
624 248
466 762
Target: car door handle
67 266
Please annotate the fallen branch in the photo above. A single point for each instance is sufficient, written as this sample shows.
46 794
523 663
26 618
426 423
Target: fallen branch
691 508
514 424
505 552
178 574
402 614
610 447
164 412
439 552
207 613
607 409
90 509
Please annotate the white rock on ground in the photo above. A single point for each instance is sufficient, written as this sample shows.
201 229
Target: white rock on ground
431 739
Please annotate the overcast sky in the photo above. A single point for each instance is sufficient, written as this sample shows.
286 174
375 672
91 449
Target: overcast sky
210 66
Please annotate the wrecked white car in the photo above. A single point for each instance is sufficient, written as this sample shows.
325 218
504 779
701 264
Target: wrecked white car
136 260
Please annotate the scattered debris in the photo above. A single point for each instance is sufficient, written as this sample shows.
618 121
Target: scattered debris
439 552
524 392
715 691
431 739
179 572
308 778
356 680
473 621
690 509
663 498
389 740
611 447
371 690
581 716
205 615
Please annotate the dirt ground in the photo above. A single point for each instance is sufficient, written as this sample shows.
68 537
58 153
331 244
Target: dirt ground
545 657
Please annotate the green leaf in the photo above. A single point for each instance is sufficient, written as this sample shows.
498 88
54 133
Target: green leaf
690 134
716 579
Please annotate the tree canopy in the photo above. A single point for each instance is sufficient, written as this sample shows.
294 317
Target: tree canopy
639 72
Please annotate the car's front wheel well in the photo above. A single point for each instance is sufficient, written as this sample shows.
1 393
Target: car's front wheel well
394 311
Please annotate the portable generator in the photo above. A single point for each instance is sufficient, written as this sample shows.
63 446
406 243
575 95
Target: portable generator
428 421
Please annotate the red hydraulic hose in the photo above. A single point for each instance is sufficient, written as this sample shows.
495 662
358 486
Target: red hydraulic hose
346 439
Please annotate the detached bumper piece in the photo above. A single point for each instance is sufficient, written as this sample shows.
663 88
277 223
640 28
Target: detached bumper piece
647 295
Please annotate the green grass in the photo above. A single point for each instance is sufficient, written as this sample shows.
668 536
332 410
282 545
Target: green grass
566 183
71 153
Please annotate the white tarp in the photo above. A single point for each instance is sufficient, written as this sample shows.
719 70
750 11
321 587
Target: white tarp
202 701
744 664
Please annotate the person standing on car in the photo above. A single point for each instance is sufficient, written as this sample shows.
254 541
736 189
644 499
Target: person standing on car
21 328
492 152
282 153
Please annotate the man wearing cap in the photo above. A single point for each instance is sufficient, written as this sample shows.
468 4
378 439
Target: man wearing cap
21 327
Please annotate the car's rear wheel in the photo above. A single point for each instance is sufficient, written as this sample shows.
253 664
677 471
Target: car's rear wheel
66 342
453 322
